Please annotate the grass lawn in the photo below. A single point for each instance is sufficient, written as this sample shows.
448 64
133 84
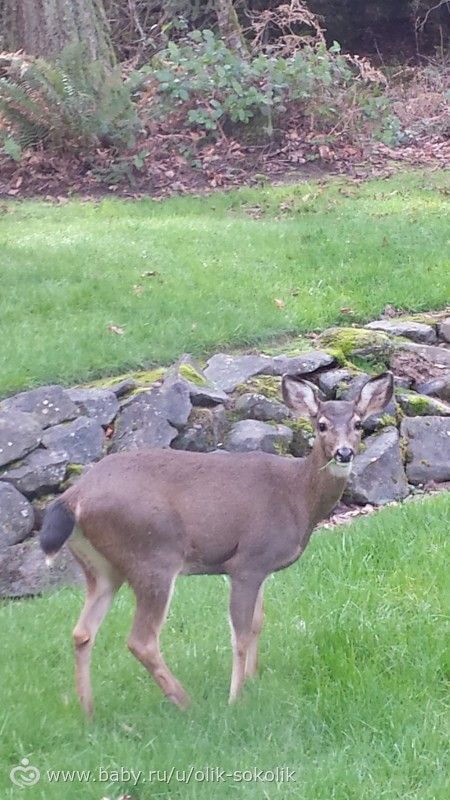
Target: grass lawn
353 694
70 271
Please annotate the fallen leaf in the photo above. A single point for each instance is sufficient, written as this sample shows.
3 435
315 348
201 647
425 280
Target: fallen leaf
116 329
279 303
150 273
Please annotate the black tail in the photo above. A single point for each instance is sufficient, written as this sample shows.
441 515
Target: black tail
58 525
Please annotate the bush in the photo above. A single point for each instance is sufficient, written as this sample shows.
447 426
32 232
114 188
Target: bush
213 86
72 104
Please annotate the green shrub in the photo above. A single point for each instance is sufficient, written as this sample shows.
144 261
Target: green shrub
72 104
213 85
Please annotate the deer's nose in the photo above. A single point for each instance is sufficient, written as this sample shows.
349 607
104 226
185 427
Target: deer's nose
344 455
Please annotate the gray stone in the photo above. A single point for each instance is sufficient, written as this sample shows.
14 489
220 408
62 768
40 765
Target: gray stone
436 356
437 387
402 382
416 331
249 434
353 388
205 432
427 441
16 516
50 405
19 434
330 380
419 405
257 406
354 341
174 401
122 388
24 573
226 372
81 441
207 395
201 392
303 364
39 473
99 404
378 476
444 329
142 421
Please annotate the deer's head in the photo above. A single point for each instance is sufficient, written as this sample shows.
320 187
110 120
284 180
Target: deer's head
338 423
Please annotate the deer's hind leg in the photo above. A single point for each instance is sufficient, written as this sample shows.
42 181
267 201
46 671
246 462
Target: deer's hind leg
251 664
152 605
102 583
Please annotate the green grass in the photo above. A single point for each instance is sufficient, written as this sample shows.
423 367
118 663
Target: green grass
353 693
67 272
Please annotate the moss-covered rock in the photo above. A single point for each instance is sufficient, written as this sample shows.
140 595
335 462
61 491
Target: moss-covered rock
420 405
346 343
189 373
267 385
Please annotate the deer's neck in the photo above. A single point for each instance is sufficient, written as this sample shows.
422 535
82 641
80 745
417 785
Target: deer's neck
324 485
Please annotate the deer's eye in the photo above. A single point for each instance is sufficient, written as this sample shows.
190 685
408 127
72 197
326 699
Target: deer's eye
322 427
358 424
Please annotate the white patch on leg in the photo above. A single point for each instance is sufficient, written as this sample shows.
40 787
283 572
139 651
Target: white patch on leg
86 552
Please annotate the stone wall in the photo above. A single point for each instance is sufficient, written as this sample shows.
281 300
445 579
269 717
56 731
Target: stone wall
50 435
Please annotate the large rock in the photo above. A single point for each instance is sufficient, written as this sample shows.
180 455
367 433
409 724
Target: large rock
151 418
40 472
227 372
174 402
24 573
50 405
81 441
435 356
301 365
257 406
444 329
124 387
205 431
427 442
249 434
437 387
351 389
201 392
416 331
332 379
378 476
420 405
19 434
99 404
348 342
16 516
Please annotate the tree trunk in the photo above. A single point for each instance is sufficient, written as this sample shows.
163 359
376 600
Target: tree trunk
45 27
229 26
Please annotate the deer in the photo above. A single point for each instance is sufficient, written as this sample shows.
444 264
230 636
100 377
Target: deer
147 516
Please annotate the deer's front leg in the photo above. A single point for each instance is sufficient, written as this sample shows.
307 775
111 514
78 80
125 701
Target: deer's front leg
245 590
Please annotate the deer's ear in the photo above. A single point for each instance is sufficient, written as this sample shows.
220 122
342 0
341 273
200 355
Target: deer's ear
301 396
375 395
